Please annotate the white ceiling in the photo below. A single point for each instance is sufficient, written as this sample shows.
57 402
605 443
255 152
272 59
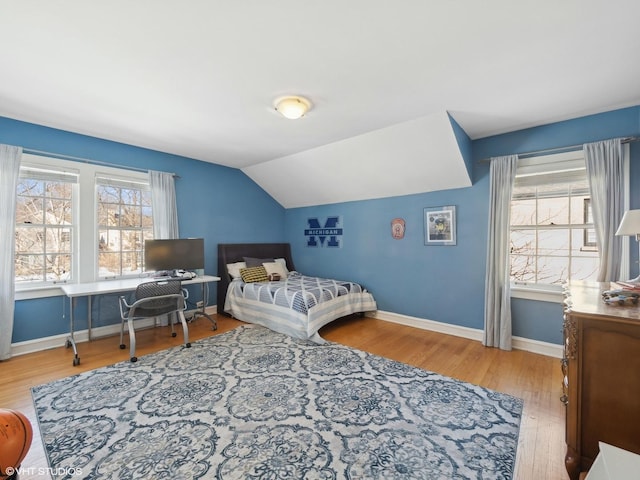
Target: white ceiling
198 78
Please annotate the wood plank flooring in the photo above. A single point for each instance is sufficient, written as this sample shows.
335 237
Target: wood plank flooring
535 378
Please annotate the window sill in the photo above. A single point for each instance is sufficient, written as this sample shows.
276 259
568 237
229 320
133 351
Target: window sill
541 294
38 292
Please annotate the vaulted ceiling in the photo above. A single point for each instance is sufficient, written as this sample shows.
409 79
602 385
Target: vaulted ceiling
199 78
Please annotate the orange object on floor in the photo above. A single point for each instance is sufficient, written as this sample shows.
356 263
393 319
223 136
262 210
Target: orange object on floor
15 439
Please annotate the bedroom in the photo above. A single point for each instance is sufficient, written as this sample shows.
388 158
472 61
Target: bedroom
363 257
412 282
409 279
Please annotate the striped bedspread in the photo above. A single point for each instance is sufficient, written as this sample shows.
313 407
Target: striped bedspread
299 305
299 292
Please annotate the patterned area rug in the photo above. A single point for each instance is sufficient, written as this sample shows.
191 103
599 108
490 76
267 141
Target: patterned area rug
254 404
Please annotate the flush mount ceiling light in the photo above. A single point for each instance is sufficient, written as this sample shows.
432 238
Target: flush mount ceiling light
292 107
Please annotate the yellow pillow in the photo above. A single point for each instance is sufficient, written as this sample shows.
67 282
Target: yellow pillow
254 274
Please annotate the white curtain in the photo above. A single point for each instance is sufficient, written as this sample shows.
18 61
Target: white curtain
605 171
497 291
163 202
9 173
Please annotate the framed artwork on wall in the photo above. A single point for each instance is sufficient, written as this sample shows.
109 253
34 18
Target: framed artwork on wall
397 228
440 225
324 234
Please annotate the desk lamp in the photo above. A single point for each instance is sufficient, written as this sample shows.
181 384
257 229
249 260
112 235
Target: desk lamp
630 225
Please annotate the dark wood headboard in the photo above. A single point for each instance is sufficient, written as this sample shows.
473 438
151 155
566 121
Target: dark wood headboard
235 252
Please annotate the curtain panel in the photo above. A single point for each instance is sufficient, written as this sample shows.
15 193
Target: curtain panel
606 174
10 158
163 203
497 308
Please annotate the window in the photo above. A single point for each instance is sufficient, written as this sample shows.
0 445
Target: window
78 222
124 223
552 235
44 225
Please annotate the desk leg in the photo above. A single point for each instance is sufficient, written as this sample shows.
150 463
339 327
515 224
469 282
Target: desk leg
89 317
202 313
71 342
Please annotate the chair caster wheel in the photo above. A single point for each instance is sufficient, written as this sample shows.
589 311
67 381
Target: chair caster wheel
188 345
76 361
134 359
122 346
174 334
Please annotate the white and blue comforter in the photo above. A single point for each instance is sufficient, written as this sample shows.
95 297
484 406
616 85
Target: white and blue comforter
299 305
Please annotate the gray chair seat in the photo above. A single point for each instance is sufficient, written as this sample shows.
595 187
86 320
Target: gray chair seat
151 300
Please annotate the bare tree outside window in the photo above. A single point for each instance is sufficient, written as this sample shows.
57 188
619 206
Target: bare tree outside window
44 231
549 232
124 223
78 222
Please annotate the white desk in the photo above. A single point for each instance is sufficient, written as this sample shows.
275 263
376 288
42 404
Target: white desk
73 291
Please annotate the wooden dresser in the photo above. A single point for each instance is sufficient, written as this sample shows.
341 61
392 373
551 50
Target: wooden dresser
601 373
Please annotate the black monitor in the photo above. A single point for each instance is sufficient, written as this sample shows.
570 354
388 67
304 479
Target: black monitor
173 255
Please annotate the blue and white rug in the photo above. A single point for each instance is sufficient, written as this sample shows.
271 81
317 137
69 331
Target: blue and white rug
255 404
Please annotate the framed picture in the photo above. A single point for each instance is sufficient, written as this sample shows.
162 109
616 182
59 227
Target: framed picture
440 225
397 228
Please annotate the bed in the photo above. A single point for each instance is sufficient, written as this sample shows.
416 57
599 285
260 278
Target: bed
296 304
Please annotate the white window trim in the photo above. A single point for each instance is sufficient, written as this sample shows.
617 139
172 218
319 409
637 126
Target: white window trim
85 241
546 293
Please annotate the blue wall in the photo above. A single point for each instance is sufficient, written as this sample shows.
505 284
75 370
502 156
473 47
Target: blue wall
217 203
446 283
442 283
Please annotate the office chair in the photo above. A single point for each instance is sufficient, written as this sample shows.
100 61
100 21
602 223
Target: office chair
153 299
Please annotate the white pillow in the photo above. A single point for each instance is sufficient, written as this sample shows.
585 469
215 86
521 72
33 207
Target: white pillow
234 269
275 267
284 264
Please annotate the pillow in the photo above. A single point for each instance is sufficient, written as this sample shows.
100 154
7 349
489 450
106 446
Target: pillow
256 262
234 269
284 264
254 274
275 267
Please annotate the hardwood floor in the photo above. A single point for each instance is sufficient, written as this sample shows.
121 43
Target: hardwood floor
535 378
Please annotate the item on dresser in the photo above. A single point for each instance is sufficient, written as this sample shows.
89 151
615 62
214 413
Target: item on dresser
628 285
620 297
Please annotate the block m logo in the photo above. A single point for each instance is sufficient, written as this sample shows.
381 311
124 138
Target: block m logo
328 235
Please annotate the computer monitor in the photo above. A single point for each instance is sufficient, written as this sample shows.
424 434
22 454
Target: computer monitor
174 254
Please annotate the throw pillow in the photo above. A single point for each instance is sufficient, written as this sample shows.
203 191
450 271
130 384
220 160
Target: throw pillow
275 267
234 269
256 262
254 274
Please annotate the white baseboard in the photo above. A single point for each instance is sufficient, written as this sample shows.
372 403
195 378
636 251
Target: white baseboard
80 336
519 343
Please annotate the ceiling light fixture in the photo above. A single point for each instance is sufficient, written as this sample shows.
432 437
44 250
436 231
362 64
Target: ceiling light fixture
292 107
